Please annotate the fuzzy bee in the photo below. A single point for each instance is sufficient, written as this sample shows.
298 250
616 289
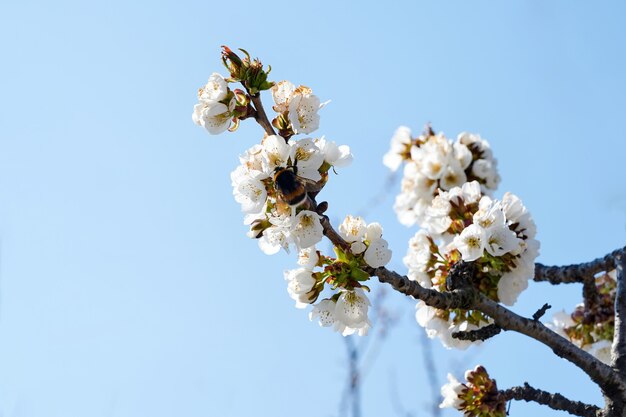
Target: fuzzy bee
291 188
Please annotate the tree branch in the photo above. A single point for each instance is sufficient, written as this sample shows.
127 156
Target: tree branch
483 333
618 350
600 373
260 115
554 401
576 272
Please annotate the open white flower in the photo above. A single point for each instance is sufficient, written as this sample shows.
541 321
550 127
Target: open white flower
399 148
307 230
307 156
511 286
214 117
324 311
450 393
251 194
299 283
353 228
303 108
471 242
377 253
276 153
274 238
351 311
308 257
215 90
281 92
337 156
501 240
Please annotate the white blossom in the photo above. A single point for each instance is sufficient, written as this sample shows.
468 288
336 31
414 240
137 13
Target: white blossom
351 311
450 393
399 147
337 156
214 117
308 257
307 230
303 110
215 90
281 93
324 311
299 283
352 229
471 242
377 253
308 158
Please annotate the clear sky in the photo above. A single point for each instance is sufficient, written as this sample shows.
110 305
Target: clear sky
127 285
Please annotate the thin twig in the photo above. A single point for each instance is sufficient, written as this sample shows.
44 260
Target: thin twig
483 333
260 115
555 401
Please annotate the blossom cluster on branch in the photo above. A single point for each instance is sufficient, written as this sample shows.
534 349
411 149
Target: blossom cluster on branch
473 254
591 325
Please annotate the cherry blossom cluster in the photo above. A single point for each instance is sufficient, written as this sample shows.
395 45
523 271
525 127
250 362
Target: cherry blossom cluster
463 224
434 162
277 182
592 324
297 108
478 397
272 220
346 310
216 103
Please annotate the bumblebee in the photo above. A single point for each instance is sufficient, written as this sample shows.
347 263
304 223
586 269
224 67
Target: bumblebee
290 187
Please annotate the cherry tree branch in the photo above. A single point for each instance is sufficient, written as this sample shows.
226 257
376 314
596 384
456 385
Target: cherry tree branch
260 116
576 272
600 373
555 401
618 350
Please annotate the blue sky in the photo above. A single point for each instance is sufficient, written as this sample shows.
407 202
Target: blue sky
127 284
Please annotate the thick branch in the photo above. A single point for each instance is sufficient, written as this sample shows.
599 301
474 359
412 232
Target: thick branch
575 273
618 350
554 401
600 373
260 115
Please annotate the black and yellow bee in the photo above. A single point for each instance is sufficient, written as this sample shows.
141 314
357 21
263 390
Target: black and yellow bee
291 188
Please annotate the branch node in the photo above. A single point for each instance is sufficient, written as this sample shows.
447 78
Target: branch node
539 313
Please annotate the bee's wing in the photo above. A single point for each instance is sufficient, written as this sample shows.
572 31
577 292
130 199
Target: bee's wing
312 186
